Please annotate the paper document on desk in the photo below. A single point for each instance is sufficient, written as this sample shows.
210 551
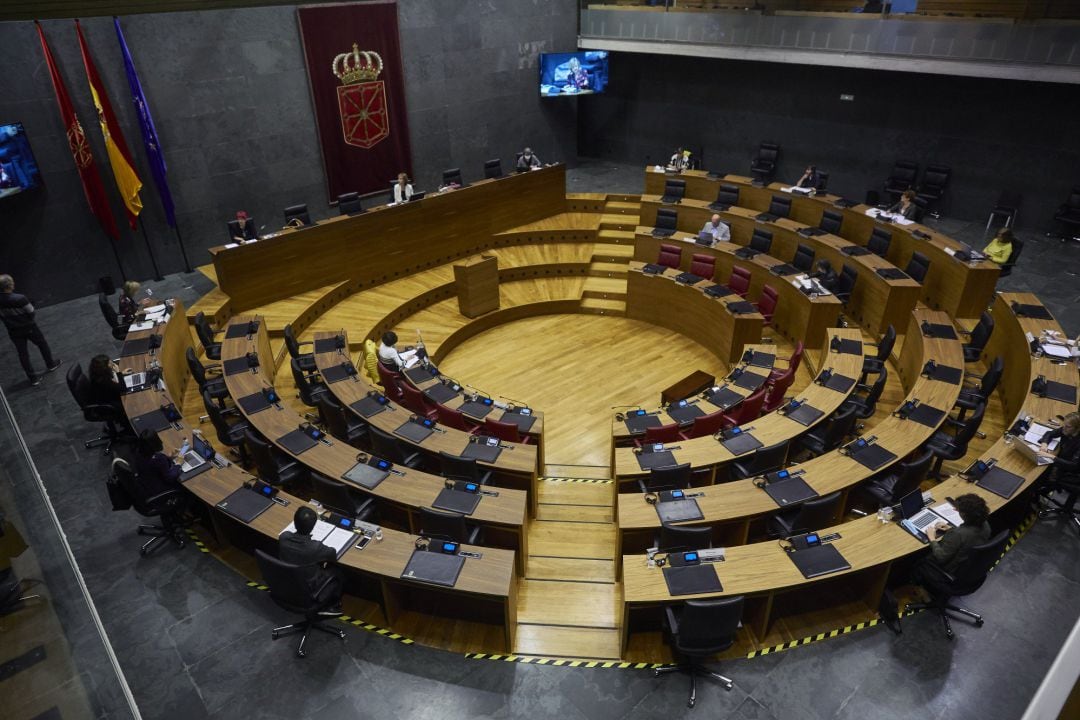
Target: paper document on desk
410 358
947 511
319 532
1056 351
339 539
1035 432
136 327
155 310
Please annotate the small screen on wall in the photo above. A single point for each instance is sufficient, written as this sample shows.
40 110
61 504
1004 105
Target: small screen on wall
18 169
572 74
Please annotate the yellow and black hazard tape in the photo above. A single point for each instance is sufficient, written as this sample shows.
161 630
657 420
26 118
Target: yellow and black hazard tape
597 481
814 638
564 662
355 622
196 541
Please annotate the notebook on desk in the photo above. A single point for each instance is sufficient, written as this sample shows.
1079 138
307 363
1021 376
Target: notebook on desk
741 307
325 345
433 568
938 330
235 366
420 374
692 579
135 346
253 403
367 406
723 398
481 452
688 278
926 415
440 393
637 424
746 253
366 476
651 461
245 505
675 511
1001 482
761 359
839 383
892 274
685 415
456 501
872 456
819 560
854 251
297 441
476 409
718 291
805 414
154 421
240 330
846 346
1061 391
790 491
750 381
523 422
337 373
946 374
784 269
652 269
414 432
1037 312
741 444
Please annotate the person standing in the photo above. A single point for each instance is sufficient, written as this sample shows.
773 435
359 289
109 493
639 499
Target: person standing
18 314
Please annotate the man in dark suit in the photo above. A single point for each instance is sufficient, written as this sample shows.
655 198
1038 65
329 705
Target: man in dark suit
299 548
17 312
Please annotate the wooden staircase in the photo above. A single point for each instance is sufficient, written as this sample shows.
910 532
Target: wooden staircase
604 292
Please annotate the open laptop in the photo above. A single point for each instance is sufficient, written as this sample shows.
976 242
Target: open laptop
1032 453
915 517
705 238
201 452
134 380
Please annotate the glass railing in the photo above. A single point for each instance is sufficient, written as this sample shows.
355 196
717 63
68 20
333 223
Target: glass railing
972 9
55 658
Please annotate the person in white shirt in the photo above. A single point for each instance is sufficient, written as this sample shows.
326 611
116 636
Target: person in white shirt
718 229
390 357
402 189
680 160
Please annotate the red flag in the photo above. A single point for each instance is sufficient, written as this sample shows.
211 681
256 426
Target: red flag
80 148
127 180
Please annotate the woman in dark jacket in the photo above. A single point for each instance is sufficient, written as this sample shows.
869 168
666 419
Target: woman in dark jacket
156 471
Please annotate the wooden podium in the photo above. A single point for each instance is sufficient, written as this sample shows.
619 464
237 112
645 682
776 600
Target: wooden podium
477 285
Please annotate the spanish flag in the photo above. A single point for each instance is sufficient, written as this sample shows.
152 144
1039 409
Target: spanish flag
127 180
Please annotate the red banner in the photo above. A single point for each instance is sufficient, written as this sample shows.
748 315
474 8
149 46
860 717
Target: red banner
357 86
80 148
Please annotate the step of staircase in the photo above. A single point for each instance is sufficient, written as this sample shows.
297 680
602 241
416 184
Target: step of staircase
617 237
603 252
608 269
622 207
600 306
604 287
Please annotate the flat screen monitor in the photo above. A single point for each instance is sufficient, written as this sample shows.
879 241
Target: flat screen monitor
18 169
572 74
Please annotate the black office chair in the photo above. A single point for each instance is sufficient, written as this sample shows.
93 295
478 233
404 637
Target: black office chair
455 467
931 190
966 579
763 460
887 490
215 386
831 222
340 498
272 465
166 506
390 448
118 329
865 405
917 266
970 396
452 177
873 364
350 204
804 258
829 435
1006 209
205 333
687 537
346 427
289 589
297 215
699 629
674 191
845 283
230 427
306 360
763 166
1068 483
780 206
1014 257
822 181
814 514
879 242
493 169
667 222
948 446
761 240
901 178
433 523
1068 216
978 337
309 388
726 197
676 477
111 417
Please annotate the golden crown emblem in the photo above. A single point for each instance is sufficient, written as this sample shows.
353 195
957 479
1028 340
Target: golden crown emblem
357 66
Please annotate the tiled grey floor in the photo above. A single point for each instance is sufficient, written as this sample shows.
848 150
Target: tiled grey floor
194 640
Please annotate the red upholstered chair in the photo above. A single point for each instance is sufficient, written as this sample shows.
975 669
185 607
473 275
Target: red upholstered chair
454 418
746 411
774 397
415 400
766 303
659 434
505 431
739 282
703 265
792 362
391 382
670 255
704 425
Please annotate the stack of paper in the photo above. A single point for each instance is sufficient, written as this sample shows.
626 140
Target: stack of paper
947 511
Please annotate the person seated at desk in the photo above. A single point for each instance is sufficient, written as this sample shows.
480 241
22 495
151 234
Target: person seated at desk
1068 449
104 388
905 205
157 472
680 160
391 358
1000 248
242 229
809 178
299 548
403 191
127 305
825 275
949 547
718 229
527 161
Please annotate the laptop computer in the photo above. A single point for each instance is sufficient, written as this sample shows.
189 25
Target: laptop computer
705 238
134 380
201 452
1032 453
915 517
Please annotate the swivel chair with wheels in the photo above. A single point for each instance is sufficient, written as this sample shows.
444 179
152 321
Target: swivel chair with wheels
887 489
978 337
111 417
447 526
306 360
688 537
761 461
763 166
699 629
947 446
456 467
289 589
815 514
274 466
118 329
166 506
676 477
205 333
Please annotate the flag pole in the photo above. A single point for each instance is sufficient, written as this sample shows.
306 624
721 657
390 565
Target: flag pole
116 253
187 263
149 249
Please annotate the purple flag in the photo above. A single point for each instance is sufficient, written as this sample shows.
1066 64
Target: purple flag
149 134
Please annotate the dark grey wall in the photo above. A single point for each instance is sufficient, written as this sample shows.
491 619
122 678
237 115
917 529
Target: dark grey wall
994 134
230 98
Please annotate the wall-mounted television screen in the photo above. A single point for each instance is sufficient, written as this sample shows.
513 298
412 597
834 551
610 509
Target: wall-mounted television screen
18 169
571 74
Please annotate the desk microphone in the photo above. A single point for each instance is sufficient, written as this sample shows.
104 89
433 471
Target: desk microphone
515 403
